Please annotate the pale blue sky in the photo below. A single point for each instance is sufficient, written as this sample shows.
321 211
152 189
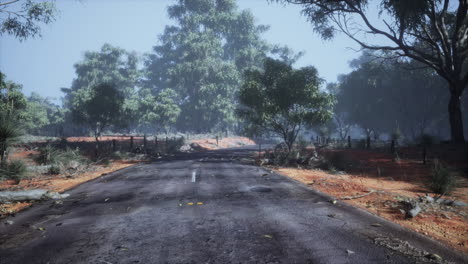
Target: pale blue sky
44 65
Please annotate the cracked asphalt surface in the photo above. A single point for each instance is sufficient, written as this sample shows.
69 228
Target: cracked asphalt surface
206 208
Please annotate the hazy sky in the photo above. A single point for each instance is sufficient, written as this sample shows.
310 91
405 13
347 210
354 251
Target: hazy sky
44 65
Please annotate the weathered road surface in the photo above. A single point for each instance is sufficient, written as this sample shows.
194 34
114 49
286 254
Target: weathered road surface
240 214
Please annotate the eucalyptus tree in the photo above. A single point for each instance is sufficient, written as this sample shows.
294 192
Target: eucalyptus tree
202 57
21 18
109 65
383 96
432 32
282 100
158 112
100 108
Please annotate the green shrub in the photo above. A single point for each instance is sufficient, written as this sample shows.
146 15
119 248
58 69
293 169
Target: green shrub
13 170
119 155
46 155
54 169
442 180
62 158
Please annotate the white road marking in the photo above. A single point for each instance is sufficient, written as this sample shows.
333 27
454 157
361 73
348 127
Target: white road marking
194 176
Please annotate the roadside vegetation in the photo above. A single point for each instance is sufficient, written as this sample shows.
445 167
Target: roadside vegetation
389 136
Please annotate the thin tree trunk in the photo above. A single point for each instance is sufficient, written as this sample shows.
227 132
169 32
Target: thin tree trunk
455 117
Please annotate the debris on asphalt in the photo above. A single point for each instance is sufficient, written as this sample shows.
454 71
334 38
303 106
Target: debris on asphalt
30 195
9 222
350 252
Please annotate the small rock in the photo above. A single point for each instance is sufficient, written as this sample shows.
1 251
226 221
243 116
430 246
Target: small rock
350 252
9 222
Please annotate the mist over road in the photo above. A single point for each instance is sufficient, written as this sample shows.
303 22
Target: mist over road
205 208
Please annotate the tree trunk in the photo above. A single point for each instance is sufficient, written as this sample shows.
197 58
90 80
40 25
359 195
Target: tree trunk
455 117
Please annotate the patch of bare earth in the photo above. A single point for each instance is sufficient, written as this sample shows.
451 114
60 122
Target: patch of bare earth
227 142
390 182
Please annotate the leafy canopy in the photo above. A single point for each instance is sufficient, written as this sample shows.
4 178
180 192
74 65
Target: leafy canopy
281 100
22 18
99 108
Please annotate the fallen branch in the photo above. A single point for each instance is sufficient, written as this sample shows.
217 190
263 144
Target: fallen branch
29 195
357 196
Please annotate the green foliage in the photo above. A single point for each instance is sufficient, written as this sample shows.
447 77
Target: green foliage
60 160
110 65
99 108
12 100
429 32
158 112
380 96
202 58
442 180
9 133
281 100
23 17
54 169
13 170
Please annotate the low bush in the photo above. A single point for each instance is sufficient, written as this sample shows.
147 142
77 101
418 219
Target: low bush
442 179
62 159
13 170
54 169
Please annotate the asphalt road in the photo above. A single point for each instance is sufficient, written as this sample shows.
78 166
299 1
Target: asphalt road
206 208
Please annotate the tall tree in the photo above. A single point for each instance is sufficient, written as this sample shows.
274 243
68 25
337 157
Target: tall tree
202 58
109 65
99 109
12 99
21 18
379 96
159 112
432 32
281 100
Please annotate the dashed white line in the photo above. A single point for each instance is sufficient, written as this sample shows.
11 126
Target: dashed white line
194 176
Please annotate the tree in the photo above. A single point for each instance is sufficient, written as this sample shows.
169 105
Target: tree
41 116
379 96
158 112
21 18
109 65
12 100
202 58
98 108
432 32
282 100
